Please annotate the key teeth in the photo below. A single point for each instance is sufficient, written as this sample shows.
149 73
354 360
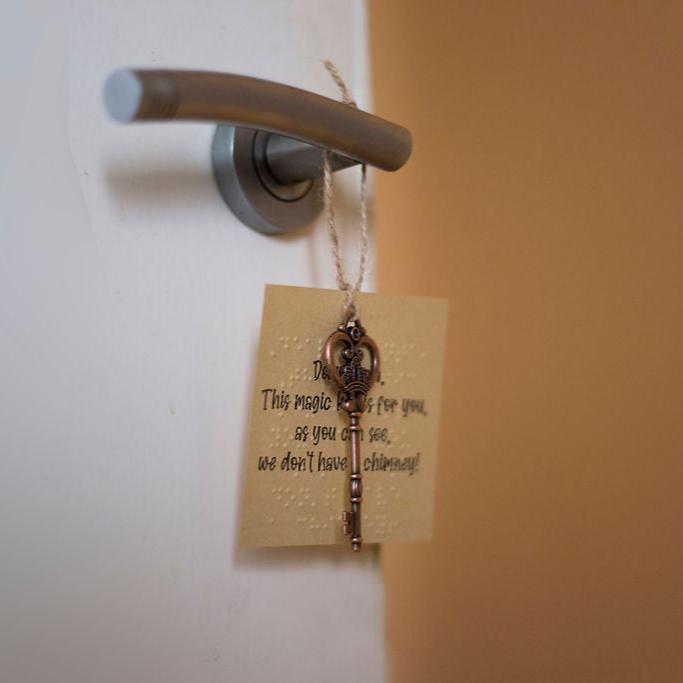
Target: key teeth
347 518
347 528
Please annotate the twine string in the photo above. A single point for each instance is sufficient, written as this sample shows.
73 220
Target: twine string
350 307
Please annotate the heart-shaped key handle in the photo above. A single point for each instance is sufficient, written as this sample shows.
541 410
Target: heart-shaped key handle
351 376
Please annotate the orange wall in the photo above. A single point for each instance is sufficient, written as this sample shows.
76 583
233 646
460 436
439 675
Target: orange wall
545 200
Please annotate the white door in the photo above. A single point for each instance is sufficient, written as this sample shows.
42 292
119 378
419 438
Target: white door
130 301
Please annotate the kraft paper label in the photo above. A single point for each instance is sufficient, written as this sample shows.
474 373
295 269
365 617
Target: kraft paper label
296 465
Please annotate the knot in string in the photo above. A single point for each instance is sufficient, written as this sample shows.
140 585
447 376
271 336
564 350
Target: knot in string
350 308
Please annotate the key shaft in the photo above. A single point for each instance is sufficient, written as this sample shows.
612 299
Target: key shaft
356 481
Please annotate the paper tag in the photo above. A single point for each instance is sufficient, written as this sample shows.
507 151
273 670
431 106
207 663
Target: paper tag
296 479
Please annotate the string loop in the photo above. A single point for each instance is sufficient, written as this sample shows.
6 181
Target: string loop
350 308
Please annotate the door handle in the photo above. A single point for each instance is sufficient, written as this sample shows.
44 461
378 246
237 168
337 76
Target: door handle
267 151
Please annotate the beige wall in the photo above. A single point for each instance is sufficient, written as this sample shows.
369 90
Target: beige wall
545 200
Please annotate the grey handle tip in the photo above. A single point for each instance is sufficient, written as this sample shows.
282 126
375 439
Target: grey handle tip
123 93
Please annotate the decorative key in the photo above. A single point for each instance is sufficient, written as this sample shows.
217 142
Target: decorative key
354 381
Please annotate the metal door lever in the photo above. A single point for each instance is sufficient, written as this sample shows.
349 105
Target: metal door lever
268 147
